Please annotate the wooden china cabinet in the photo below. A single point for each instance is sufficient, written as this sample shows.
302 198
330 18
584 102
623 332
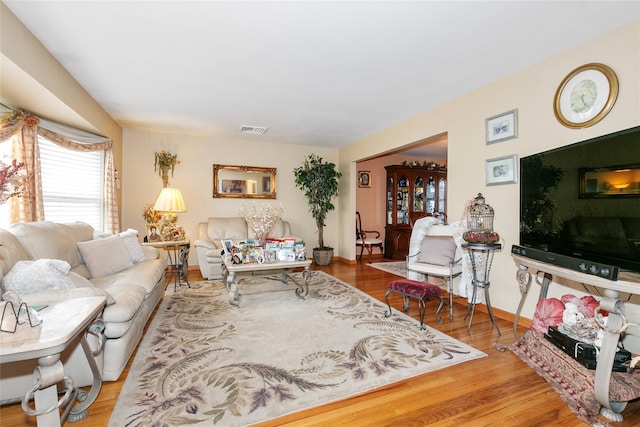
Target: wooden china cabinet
413 192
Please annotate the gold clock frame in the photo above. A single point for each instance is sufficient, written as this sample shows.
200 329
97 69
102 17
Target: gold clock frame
596 116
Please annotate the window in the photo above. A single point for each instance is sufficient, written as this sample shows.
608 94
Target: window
72 184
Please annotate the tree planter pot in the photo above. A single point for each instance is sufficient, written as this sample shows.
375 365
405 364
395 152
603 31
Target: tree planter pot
323 256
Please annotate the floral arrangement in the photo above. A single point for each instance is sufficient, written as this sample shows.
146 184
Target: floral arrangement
12 178
164 161
261 219
150 215
428 165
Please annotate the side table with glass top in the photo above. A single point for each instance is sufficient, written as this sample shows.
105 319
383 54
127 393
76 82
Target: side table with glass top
481 256
178 259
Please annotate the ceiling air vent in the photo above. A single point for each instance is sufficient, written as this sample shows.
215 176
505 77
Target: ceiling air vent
254 130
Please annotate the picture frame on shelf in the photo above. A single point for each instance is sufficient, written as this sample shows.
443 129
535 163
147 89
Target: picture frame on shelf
364 179
153 233
502 127
227 245
502 170
585 96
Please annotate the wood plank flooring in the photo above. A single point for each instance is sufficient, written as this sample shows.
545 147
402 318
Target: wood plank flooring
498 390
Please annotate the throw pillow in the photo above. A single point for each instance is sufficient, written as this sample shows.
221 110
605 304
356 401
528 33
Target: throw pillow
105 256
438 250
33 276
130 238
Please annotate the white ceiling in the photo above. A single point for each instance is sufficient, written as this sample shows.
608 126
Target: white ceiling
322 73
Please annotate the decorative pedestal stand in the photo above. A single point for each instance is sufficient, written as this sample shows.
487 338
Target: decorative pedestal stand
481 258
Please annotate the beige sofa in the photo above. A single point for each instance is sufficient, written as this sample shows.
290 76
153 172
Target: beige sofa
214 230
117 267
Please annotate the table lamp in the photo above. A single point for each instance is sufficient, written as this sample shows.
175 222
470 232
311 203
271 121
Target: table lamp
170 201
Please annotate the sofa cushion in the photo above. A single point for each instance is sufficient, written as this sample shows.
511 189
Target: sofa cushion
46 239
129 299
40 275
234 228
105 256
130 238
11 251
438 250
145 274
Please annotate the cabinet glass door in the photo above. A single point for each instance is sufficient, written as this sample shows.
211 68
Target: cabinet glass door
390 191
418 195
442 197
403 200
431 195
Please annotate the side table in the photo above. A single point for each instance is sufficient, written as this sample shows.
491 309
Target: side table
481 258
178 253
62 322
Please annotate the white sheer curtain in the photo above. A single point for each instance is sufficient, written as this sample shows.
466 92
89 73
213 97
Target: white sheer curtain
27 127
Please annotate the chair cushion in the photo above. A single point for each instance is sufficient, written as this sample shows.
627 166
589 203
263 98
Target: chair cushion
438 250
414 288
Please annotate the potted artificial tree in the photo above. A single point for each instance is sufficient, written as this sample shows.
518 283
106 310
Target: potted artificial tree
319 181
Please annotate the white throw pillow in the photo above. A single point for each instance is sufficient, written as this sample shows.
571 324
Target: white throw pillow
438 250
26 277
105 256
130 238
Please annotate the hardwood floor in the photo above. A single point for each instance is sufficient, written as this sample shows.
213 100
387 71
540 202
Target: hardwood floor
498 390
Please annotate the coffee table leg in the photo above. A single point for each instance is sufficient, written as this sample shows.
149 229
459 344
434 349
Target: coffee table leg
232 287
303 290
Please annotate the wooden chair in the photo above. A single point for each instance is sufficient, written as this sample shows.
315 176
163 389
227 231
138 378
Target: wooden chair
367 241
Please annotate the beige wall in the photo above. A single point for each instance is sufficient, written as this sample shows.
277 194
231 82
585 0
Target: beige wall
194 177
531 91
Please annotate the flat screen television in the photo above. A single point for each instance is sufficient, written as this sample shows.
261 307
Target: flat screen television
583 200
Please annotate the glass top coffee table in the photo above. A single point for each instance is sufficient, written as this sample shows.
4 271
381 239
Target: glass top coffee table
230 271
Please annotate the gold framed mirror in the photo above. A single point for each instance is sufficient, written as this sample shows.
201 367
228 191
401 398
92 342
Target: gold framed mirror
244 182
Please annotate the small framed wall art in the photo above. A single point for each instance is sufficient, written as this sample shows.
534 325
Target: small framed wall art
364 179
586 96
502 170
502 127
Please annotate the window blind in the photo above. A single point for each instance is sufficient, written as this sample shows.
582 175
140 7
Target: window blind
72 184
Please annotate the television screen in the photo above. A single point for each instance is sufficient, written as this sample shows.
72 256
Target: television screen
583 200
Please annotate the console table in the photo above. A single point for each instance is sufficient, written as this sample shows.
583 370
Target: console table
62 322
627 282
229 271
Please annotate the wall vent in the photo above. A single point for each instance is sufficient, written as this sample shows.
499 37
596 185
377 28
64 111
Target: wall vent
254 130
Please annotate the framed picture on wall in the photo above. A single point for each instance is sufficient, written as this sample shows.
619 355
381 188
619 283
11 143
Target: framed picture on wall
502 170
364 179
502 127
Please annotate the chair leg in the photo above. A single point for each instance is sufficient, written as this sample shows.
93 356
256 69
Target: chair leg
439 320
370 250
386 295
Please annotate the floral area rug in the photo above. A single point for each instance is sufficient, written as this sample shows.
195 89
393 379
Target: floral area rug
573 382
399 268
205 362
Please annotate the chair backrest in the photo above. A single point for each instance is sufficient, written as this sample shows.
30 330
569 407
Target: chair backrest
358 226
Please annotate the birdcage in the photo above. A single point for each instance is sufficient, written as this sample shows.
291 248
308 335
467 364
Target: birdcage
480 223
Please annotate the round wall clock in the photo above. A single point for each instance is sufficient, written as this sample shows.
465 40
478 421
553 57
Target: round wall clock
586 96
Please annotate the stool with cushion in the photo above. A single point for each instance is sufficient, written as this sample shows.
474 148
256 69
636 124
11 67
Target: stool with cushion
418 290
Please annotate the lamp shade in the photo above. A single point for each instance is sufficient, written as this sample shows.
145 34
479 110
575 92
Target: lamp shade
170 200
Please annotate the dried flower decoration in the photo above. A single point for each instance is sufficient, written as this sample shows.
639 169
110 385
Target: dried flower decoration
150 215
12 178
164 161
